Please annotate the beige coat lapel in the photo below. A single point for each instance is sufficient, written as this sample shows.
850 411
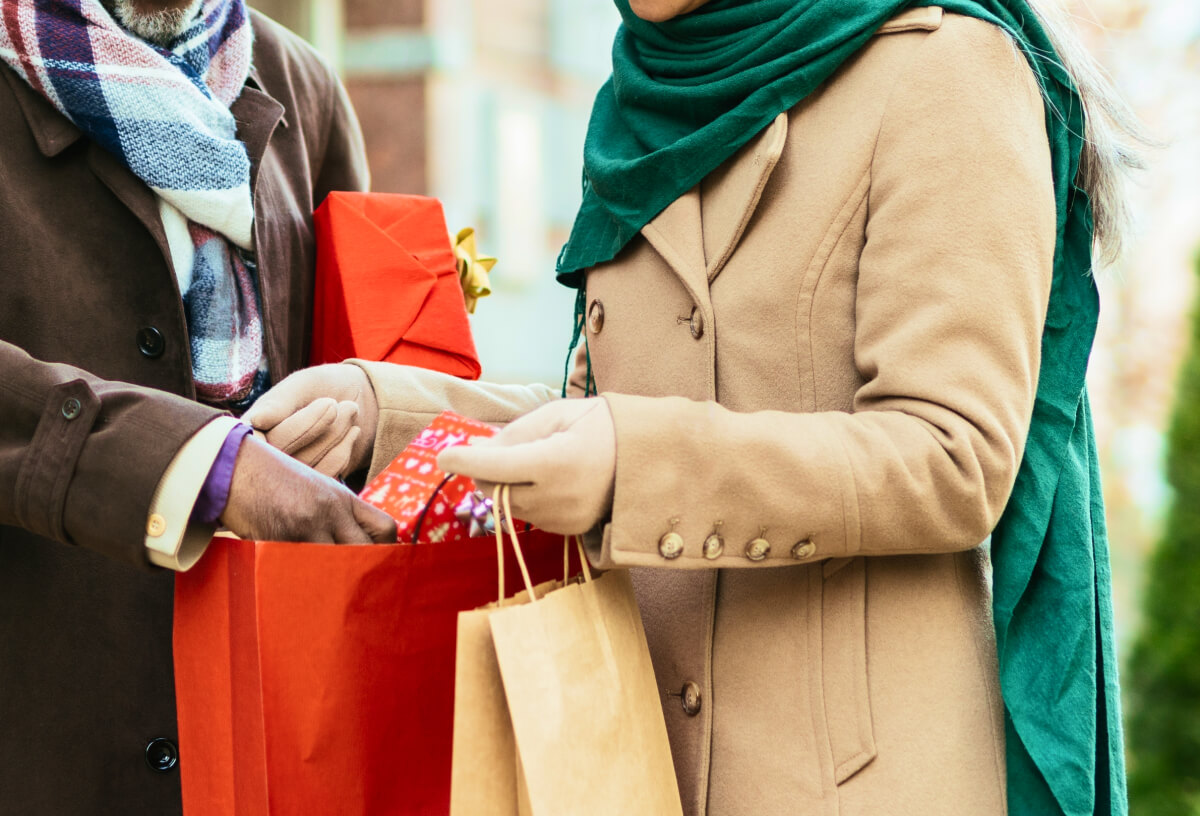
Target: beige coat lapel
730 194
676 234
698 231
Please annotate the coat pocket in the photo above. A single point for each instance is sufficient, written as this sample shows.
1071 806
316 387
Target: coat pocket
844 665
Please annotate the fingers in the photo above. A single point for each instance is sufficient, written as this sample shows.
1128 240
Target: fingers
302 427
544 421
315 444
336 464
503 464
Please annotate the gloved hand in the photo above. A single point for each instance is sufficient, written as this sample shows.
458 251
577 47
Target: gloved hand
323 416
560 460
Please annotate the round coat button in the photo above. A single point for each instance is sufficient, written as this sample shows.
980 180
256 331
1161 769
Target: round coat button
696 323
757 549
71 408
596 316
803 549
689 696
714 546
670 546
150 342
161 754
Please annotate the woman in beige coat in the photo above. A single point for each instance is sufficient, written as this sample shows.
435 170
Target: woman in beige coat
817 369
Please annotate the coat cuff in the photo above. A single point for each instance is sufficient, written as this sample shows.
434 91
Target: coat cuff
774 492
174 541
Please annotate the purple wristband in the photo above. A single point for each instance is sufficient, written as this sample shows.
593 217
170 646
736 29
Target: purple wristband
210 504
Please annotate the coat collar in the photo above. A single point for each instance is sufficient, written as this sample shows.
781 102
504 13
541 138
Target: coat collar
698 232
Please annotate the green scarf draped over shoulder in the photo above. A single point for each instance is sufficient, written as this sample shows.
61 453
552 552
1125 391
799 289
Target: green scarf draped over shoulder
683 97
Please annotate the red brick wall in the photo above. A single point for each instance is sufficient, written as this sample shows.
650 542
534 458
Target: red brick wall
392 113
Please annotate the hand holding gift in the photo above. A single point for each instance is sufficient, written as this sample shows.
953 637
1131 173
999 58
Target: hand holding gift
560 460
324 416
274 498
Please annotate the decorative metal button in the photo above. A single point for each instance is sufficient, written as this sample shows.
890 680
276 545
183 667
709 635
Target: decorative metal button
803 549
71 408
156 525
714 546
596 316
151 342
689 696
161 754
757 548
670 546
696 323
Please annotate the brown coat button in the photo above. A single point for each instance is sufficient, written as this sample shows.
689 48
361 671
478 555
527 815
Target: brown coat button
596 316
714 546
670 546
71 408
696 324
803 549
689 696
757 549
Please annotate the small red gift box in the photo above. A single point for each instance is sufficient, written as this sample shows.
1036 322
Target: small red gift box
420 497
387 285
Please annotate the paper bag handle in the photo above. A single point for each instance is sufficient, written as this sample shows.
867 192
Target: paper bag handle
499 500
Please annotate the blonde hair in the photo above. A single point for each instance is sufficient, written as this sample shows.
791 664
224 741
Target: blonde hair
1113 135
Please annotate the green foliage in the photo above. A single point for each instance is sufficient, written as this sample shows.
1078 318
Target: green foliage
1162 679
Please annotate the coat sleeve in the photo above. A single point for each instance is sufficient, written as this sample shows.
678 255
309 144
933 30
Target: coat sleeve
953 286
409 398
81 457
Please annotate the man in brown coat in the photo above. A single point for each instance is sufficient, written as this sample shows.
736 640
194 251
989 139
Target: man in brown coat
104 448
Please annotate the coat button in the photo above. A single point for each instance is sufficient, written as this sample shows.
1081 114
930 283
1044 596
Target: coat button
757 548
150 342
696 323
71 408
596 316
161 754
670 546
803 549
714 546
689 696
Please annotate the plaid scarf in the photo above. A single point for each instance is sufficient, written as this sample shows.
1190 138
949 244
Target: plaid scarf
164 112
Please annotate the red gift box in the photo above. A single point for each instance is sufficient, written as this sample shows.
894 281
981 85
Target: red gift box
417 494
387 286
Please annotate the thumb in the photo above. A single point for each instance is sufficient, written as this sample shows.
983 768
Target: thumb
377 524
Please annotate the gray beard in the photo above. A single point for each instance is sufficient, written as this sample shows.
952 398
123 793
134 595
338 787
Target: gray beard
159 27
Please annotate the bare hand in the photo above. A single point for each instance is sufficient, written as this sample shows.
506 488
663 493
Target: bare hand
275 498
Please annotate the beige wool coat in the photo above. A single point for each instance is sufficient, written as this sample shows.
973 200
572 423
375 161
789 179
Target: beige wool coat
825 354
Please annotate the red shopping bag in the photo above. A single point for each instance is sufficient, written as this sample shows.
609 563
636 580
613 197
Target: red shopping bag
387 285
319 679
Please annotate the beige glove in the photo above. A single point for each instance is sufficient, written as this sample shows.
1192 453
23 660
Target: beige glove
323 416
560 459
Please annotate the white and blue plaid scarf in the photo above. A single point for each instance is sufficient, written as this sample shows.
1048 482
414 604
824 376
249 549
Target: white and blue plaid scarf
164 112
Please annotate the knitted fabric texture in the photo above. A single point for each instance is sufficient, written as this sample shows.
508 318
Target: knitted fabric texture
164 112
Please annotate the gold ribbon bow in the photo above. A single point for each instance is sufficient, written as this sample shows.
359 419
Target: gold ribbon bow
473 269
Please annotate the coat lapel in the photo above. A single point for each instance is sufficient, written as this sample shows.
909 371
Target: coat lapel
730 194
677 235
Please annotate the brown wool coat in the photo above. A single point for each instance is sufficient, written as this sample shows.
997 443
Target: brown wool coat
85 624
831 343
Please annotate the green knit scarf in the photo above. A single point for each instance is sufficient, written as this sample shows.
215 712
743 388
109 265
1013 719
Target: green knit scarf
683 97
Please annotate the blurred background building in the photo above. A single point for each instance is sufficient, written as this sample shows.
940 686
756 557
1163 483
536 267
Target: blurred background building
484 104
